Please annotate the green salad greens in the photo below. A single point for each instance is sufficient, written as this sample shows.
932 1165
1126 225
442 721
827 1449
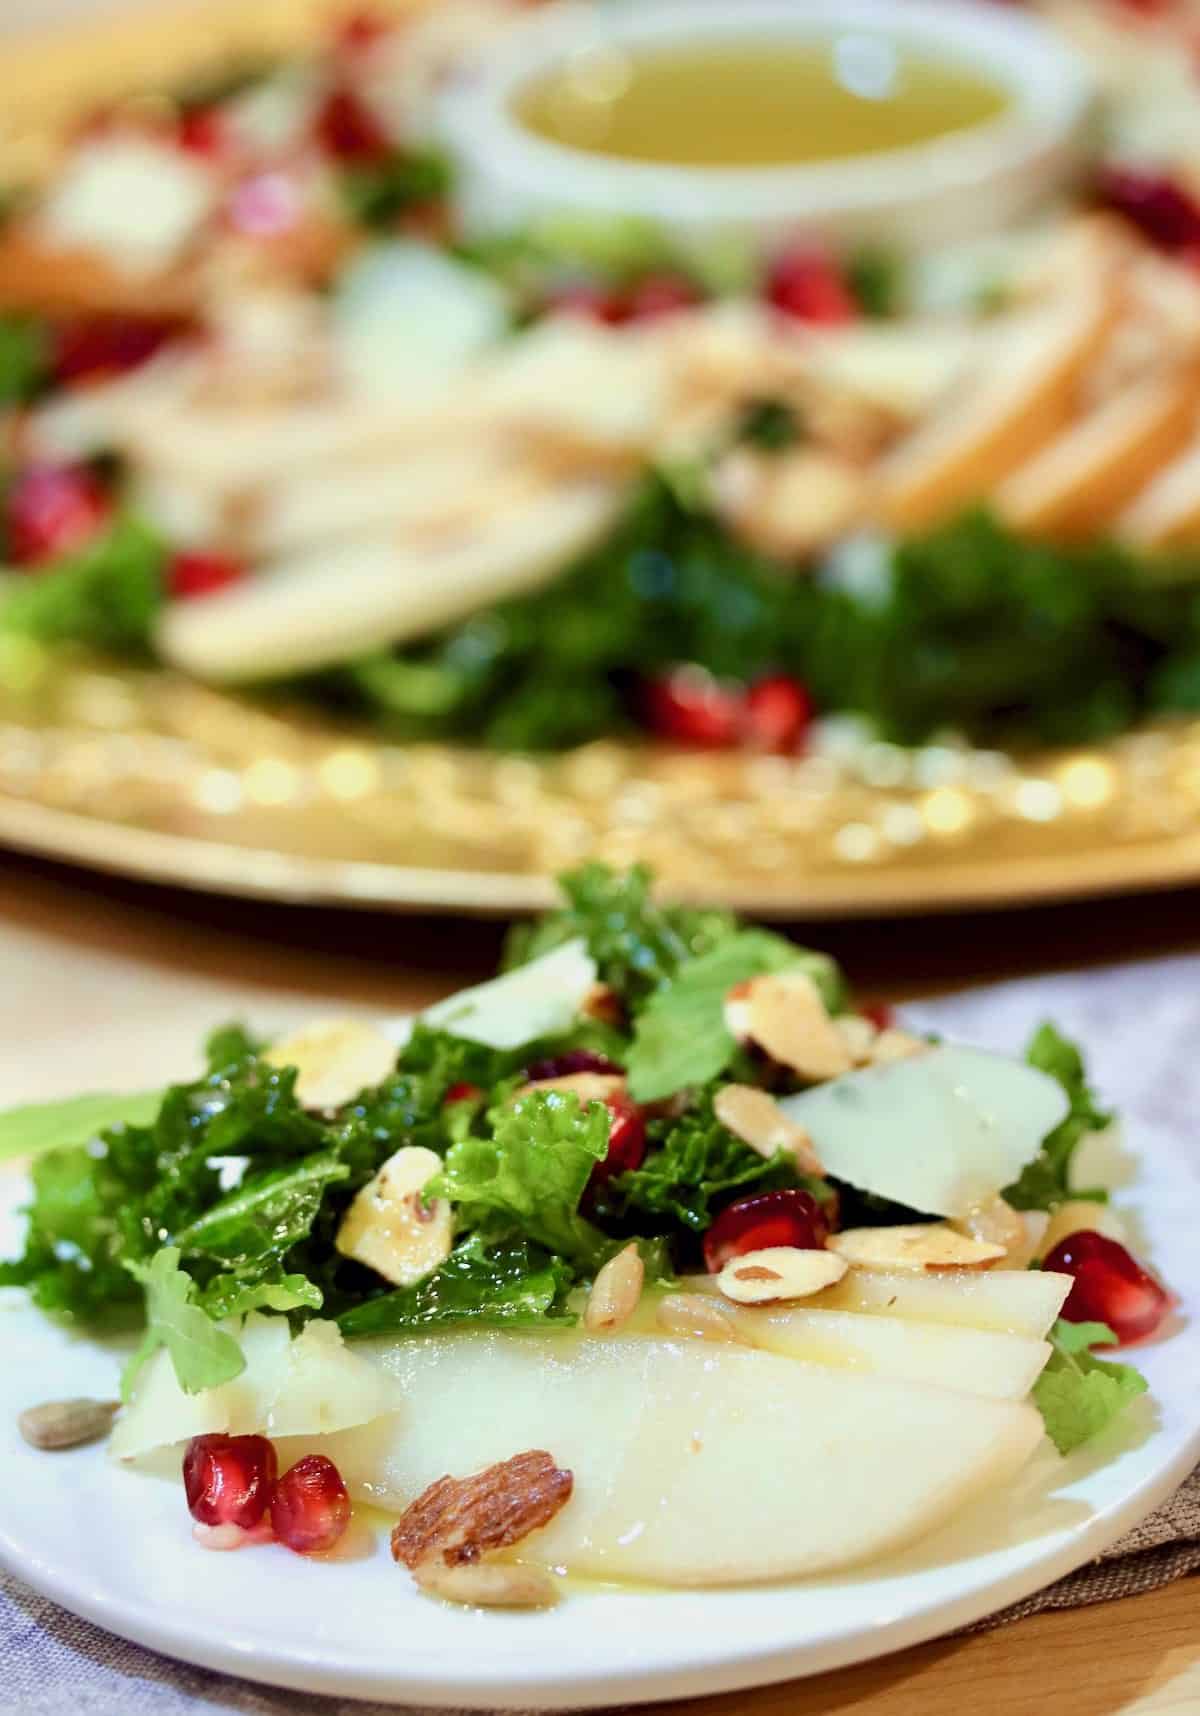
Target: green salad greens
180 1211
967 628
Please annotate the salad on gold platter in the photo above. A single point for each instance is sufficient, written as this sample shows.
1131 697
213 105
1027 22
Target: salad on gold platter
657 1220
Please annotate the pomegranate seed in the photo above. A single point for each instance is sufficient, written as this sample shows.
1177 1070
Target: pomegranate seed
202 131
881 1015
596 303
192 573
1156 204
809 285
232 1536
626 1140
52 510
660 295
574 1061
777 713
228 1479
311 1507
789 1217
1110 1286
348 130
93 348
690 707
462 1092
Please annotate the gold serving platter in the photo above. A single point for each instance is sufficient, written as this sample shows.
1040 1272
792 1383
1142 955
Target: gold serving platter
139 771
143 772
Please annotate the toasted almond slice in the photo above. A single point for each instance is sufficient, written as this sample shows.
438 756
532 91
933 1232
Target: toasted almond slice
391 1228
334 1060
615 1292
1023 399
917 1246
1083 478
1081 1215
859 1035
894 1045
779 1272
786 1016
487 1584
587 1086
699 1318
996 1223
756 1118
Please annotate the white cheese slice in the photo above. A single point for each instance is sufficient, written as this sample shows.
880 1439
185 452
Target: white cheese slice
941 1132
135 201
404 313
534 1000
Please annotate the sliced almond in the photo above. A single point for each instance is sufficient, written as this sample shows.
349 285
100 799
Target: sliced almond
1081 1215
615 1292
893 1045
699 1318
487 1584
391 1228
756 1118
587 1086
779 1272
917 1246
334 1060
859 1035
786 1016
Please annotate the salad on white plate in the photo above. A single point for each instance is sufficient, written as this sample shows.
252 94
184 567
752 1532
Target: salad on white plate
657 1216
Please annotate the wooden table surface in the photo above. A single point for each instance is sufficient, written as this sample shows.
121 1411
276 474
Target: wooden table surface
1141 1655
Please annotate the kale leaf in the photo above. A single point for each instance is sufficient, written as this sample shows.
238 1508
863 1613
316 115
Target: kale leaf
107 594
516 1285
1046 1181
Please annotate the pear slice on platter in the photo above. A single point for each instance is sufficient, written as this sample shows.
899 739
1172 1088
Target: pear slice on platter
694 1464
1006 1301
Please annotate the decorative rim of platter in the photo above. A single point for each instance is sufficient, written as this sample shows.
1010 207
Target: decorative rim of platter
142 772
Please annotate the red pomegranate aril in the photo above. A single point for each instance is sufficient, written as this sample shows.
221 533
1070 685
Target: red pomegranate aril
808 285
347 129
1110 1286
777 713
228 1479
880 1014
660 295
311 1506
1161 209
203 131
93 348
626 1140
193 573
573 1061
790 1217
52 510
689 707
463 1091
360 30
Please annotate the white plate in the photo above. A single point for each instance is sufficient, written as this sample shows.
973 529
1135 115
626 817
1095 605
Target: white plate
115 1547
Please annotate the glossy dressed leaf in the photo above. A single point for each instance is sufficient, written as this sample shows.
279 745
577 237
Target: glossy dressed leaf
506 1286
265 1216
203 1355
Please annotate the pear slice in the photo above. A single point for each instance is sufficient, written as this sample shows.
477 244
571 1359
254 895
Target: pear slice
1007 1301
323 606
694 1464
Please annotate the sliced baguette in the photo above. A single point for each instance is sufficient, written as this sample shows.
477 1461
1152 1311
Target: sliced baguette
1022 401
1082 480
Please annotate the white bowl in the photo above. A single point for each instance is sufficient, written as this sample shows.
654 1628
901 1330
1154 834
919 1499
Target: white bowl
967 182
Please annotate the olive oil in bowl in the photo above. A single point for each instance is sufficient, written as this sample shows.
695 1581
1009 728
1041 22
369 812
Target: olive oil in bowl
756 103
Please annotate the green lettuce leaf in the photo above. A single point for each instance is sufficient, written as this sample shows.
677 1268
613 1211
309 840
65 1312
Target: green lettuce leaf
25 350
107 594
42 1126
680 1037
1079 1395
1046 1181
637 943
526 1181
203 1355
504 1286
234 1296
268 1214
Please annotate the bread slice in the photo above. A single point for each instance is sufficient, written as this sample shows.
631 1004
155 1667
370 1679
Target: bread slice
1078 484
1023 400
